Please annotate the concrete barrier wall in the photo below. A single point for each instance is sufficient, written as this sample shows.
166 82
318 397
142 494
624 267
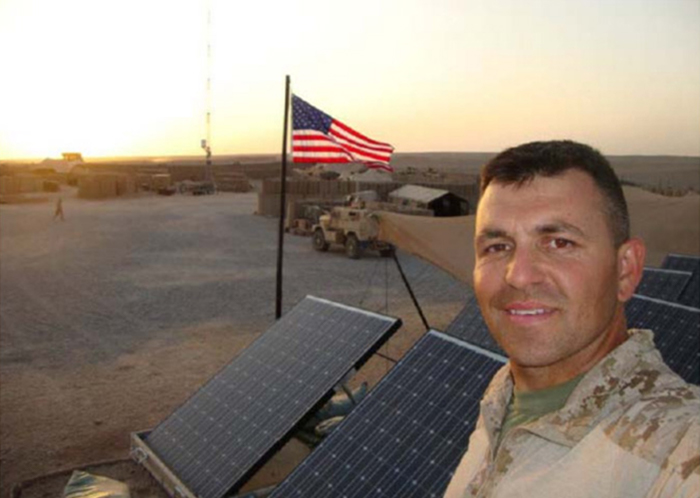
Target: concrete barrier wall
9 185
20 184
163 180
105 185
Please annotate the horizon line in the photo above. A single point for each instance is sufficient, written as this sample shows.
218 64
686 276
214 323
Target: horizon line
169 157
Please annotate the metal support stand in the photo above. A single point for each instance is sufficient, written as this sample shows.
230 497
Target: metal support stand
410 291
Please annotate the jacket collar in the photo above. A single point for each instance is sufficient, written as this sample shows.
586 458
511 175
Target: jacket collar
625 374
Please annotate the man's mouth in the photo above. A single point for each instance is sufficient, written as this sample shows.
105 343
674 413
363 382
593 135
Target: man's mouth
528 312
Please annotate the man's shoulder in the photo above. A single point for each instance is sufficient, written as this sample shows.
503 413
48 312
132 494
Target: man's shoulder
662 424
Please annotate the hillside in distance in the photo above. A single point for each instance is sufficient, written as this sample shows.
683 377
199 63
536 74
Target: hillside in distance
677 172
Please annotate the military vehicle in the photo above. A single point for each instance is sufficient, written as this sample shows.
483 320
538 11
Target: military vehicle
352 227
196 187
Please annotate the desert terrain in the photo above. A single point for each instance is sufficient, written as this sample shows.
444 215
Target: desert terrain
112 318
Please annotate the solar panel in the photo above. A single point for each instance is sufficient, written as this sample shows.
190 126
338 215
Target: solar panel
691 293
408 435
225 430
676 332
682 262
469 326
663 284
690 296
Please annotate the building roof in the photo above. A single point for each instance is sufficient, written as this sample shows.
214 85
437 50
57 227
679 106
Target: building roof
63 165
418 193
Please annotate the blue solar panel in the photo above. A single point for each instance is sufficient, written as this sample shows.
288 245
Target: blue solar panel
470 326
691 293
408 435
690 296
228 427
682 262
663 284
676 332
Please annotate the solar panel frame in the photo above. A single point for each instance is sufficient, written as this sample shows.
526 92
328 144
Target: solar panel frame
676 332
200 442
683 262
663 284
469 326
690 296
385 447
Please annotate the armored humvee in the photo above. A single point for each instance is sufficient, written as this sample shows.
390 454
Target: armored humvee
352 227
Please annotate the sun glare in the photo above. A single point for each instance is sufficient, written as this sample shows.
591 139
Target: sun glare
130 77
107 83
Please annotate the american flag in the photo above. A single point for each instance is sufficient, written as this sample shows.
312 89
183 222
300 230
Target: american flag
318 138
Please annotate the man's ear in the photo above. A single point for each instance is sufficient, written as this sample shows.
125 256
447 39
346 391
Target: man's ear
630 266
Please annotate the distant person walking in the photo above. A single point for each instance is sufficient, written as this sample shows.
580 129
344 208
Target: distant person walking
59 210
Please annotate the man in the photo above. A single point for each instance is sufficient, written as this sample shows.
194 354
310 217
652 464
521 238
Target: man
584 407
58 213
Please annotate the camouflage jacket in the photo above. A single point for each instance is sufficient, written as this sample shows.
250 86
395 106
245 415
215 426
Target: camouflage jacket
630 428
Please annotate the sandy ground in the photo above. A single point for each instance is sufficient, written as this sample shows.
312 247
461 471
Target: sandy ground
667 224
111 319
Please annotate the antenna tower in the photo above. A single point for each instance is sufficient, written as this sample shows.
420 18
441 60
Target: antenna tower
206 143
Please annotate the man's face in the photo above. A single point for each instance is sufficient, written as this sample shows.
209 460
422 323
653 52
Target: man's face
546 273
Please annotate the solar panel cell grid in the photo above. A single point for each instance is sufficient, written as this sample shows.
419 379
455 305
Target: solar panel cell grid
407 437
228 426
681 262
691 293
676 332
663 284
470 326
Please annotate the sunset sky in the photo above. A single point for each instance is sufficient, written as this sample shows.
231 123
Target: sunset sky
128 77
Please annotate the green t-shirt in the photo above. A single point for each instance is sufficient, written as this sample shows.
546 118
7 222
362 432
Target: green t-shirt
526 406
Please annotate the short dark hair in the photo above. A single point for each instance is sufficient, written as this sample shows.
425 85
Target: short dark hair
521 164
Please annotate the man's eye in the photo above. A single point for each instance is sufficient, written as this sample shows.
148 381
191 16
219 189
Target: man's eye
560 243
495 248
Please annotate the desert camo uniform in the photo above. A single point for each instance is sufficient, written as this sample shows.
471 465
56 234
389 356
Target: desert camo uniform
630 428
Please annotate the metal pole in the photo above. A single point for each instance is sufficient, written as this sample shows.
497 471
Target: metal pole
283 200
208 177
410 291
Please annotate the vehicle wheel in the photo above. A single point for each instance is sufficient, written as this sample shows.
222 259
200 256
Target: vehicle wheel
352 247
319 240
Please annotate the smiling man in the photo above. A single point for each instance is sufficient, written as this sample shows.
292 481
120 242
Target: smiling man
584 407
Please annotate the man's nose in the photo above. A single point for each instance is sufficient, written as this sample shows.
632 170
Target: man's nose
523 269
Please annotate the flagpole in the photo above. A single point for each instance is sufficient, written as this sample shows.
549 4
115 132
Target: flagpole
283 201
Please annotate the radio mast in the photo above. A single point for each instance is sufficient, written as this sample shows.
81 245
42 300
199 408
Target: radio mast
206 142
